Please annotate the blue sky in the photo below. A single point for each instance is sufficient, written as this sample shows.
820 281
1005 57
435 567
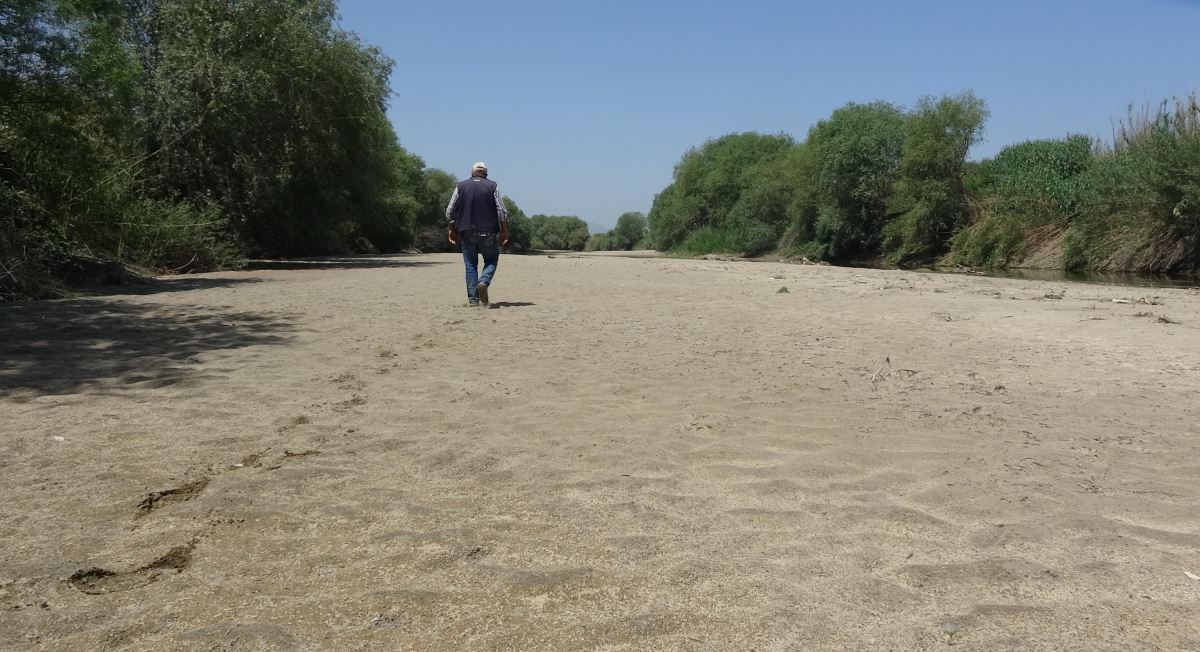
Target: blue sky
583 108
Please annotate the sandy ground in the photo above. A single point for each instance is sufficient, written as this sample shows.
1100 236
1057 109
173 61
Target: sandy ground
624 454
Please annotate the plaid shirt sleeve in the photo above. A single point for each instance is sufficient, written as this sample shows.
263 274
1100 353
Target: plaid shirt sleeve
501 211
452 207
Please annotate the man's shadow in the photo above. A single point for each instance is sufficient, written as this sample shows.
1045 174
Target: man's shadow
496 305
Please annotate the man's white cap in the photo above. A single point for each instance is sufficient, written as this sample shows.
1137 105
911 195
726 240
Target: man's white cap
479 166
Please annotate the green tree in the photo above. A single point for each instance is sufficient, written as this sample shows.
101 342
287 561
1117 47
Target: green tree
37 100
175 133
559 232
520 228
777 196
70 143
931 194
856 156
668 221
267 109
436 187
709 182
629 231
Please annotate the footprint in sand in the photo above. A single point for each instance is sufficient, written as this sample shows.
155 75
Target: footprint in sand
98 581
181 494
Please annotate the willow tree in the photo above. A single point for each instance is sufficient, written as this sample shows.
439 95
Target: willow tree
268 109
931 194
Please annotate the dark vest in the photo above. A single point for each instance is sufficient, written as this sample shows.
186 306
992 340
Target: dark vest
477 206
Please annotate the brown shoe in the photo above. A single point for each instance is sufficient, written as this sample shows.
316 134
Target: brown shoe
481 292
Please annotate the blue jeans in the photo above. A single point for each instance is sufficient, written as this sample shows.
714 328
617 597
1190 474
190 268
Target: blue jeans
474 244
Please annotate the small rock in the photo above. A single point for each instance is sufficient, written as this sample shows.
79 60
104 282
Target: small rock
58 438
783 290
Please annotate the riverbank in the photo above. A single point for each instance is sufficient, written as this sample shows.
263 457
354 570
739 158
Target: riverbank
1051 275
626 453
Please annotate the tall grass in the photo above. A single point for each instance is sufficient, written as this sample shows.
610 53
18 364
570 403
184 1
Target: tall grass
1029 188
1131 205
1142 125
1143 209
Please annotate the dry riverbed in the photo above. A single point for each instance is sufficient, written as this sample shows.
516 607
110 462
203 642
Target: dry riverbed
623 453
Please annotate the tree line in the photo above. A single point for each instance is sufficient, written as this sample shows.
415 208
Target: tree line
187 135
878 183
526 233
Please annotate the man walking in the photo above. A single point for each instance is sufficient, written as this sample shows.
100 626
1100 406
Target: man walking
479 221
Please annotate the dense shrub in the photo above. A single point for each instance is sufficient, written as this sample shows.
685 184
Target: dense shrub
1030 187
173 236
30 247
708 240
